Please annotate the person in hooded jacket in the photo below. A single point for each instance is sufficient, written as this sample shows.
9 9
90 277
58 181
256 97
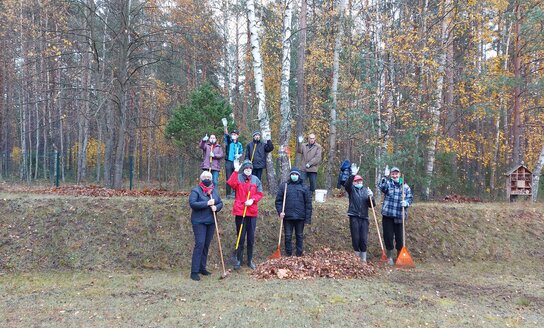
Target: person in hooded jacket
212 153
256 152
204 200
298 210
359 203
248 192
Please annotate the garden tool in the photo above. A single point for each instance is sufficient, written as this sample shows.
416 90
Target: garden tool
241 228
253 153
211 158
384 257
277 253
404 259
224 275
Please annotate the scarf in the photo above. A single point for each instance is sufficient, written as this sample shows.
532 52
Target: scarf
207 190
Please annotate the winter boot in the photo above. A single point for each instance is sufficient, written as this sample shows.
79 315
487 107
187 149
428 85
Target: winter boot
251 265
390 257
358 254
363 257
195 276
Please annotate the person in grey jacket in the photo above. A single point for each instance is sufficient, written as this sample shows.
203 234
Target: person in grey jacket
359 203
204 200
298 210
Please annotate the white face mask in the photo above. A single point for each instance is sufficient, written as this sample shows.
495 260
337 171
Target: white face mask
234 137
247 172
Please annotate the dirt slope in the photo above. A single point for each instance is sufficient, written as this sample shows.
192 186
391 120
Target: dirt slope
40 232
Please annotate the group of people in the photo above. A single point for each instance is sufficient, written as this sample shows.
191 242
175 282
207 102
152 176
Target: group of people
293 201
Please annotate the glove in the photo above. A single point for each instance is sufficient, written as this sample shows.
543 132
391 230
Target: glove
214 208
386 171
308 165
205 137
211 202
249 202
237 156
354 169
404 203
224 120
212 154
282 215
370 193
300 138
237 165
266 135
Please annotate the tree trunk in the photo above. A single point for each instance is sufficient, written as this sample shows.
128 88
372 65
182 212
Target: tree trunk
517 156
334 94
285 106
536 174
258 72
301 82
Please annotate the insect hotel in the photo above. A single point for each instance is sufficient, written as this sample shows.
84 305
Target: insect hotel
519 182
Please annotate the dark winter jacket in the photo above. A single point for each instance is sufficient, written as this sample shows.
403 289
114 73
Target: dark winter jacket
261 149
298 201
359 202
201 212
344 174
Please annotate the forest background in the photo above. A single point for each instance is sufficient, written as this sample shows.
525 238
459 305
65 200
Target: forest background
448 90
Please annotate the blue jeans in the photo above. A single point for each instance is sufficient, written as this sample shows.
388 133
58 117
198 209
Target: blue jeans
203 238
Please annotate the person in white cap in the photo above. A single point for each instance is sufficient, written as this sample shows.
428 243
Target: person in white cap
391 186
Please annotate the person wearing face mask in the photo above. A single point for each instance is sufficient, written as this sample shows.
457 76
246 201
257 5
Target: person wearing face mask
233 152
360 198
212 153
391 186
204 200
249 191
256 152
298 210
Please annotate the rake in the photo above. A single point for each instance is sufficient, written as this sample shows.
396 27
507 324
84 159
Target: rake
384 257
404 259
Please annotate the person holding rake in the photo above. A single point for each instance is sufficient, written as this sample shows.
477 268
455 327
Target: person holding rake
360 200
294 206
204 201
397 198
212 153
248 192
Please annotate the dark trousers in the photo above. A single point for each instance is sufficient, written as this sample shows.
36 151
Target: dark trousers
298 226
248 231
392 230
203 238
229 168
312 176
359 233
258 173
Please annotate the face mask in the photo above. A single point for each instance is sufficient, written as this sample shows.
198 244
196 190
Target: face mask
212 141
207 182
294 177
395 179
234 137
358 185
247 172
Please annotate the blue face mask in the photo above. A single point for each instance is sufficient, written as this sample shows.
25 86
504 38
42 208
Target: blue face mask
358 185
294 177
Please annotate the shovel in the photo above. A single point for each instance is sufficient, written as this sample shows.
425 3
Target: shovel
241 228
277 253
384 257
404 259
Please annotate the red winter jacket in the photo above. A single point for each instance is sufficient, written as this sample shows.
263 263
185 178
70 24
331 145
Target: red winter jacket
242 185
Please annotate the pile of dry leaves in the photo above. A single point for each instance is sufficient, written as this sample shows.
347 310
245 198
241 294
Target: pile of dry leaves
323 263
454 198
96 191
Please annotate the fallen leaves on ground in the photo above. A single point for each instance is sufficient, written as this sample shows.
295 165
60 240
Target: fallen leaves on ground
322 263
97 191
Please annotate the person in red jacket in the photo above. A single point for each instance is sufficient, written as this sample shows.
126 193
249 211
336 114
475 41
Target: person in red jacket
249 191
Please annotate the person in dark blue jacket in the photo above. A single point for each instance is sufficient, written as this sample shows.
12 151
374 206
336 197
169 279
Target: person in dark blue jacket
204 200
298 210
359 202
256 152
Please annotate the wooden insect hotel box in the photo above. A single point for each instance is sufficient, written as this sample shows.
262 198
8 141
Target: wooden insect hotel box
519 182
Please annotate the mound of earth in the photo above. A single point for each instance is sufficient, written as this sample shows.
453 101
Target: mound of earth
322 263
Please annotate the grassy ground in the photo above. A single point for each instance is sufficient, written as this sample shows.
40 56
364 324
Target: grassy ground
91 262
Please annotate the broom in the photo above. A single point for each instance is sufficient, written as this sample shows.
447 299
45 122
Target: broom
277 253
404 259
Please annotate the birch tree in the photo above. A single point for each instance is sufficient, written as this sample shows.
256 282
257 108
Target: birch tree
334 93
258 72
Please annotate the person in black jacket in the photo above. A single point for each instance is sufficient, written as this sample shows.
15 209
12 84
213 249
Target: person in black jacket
204 200
359 203
298 210
256 152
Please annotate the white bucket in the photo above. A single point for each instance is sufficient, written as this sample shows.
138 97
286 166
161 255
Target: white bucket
320 195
